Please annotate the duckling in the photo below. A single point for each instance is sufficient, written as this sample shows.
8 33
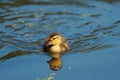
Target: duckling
55 44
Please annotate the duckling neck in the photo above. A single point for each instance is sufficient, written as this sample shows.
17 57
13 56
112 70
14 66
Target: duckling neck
55 49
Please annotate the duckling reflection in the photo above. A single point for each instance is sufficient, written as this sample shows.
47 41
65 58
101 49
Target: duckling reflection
55 44
55 63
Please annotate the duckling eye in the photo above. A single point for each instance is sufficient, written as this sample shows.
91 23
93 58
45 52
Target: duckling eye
54 38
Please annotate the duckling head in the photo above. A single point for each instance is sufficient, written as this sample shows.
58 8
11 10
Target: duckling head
55 40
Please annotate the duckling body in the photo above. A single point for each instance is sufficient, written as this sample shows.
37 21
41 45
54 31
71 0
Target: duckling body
55 44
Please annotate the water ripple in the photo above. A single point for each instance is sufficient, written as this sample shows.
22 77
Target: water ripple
87 27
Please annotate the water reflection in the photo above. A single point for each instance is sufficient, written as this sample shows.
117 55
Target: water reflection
55 63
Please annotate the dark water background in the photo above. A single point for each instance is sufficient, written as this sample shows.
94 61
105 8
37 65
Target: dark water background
92 28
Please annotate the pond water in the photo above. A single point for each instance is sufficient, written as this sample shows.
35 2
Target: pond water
92 28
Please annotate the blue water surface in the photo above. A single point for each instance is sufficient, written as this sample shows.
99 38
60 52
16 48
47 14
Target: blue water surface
92 28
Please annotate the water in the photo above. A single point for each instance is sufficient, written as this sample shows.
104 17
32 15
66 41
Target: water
91 27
